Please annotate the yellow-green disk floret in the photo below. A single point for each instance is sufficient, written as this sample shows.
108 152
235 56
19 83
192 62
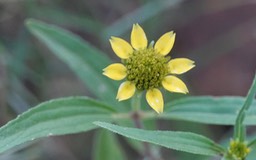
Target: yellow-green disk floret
146 68
238 150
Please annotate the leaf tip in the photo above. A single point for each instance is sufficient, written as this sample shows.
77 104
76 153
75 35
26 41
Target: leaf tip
29 22
98 123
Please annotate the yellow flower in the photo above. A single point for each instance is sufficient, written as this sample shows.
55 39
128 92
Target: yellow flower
145 67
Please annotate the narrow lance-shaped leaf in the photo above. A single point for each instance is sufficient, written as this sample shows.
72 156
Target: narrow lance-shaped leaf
182 141
85 60
140 14
55 117
209 110
64 18
239 130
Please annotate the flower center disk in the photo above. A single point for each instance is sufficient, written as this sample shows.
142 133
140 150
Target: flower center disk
146 68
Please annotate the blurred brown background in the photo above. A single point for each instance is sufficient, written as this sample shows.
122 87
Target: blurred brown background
219 35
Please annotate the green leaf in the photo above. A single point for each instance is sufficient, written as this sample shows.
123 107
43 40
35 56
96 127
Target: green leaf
61 16
136 145
239 129
141 14
107 147
55 117
252 144
209 110
85 60
182 141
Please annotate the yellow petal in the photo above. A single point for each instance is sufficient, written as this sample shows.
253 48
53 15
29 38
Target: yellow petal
180 65
165 43
174 84
155 100
125 91
138 37
116 71
122 48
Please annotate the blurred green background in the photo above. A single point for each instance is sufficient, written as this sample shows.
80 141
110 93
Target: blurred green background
219 35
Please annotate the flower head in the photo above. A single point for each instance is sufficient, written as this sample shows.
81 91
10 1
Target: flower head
146 67
238 150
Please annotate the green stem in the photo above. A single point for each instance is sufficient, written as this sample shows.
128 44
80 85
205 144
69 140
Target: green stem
239 129
137 119
136 101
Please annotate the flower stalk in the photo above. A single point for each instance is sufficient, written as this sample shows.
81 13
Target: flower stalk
136 101
137 119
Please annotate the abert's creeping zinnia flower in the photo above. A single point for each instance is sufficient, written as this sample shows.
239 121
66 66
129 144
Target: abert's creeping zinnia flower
145 67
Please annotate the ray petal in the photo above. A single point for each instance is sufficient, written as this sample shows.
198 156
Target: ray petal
165 43
121 48
155 99
115 71
126 90
180 65
174 84
138 37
